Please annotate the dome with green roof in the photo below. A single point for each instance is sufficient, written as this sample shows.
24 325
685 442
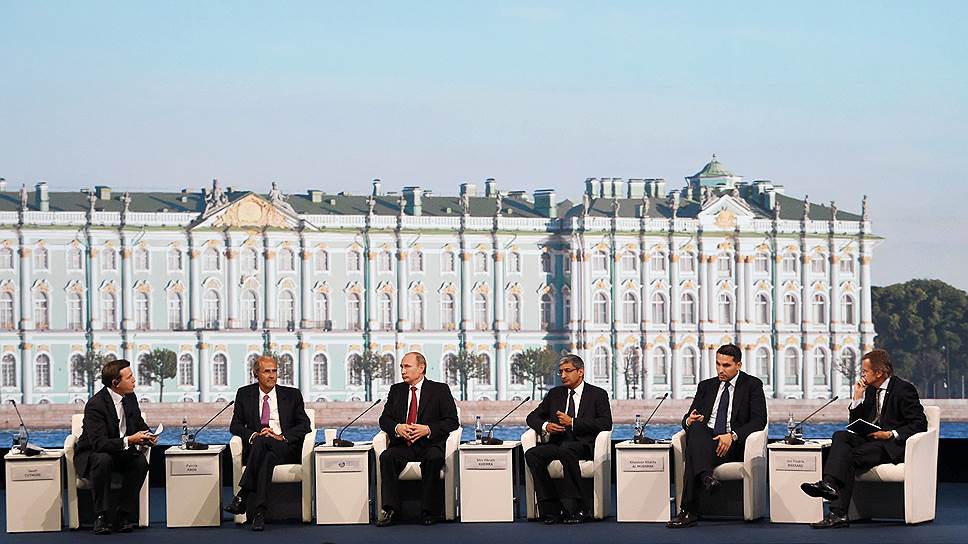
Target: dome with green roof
714 174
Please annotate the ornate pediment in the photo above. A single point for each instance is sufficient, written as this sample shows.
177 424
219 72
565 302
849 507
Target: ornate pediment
724 212
250 212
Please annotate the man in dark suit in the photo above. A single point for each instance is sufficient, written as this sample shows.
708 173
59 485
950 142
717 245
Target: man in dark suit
418 417
112 440
570 417
272 423
724 412
880 398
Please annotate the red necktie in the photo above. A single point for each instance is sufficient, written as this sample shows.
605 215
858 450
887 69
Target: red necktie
412 413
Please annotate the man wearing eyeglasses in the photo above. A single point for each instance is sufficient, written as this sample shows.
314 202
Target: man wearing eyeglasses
568 419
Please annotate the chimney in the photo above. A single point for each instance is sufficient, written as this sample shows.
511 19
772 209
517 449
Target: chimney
103 192
315 195
41 197
636 188
490 188
655 188
468 189
545 202
593 187
411 197
377 187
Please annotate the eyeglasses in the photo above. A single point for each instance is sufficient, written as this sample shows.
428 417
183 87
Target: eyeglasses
566 370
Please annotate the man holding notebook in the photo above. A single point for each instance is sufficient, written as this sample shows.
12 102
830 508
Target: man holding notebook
889 403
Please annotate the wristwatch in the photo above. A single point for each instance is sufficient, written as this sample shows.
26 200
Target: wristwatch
734 435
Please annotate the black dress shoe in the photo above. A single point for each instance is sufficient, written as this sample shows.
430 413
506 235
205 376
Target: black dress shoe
258 521
572 519
821 490
237 506
711 484
832 521
101 525
551 519
123 524
684 519
386 519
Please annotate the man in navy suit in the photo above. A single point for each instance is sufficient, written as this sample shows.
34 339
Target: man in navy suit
570 416
724 412
418 417
112 441
271 420
889 402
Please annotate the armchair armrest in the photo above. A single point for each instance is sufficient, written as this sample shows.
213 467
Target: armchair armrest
755 448
529 439
309 442
73 520
235 448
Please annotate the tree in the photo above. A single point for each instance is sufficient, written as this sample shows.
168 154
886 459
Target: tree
370 366
632 364
534 365
924 326
157 366
466 366
90 367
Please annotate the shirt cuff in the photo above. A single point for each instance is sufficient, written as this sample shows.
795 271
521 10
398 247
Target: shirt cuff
544 427
252 437
854 403
895 434
125 440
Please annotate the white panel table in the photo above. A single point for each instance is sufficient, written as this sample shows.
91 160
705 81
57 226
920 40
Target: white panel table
791 466
643 482
193 487
487 482
342 484
34 501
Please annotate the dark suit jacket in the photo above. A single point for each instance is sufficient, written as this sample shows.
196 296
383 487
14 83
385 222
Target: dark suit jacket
901 412
436 410
749 405
594 414
247 412
101 432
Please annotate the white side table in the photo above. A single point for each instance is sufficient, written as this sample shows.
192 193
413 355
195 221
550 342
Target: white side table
34 491
193 487
342 484
487 482
791 466
643 482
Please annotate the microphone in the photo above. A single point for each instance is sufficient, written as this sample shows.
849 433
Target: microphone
23 442
193 444
642 439
791 437
338 442
489 439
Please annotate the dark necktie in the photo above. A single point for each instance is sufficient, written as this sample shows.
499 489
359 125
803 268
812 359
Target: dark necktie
877 406
571 404
722 411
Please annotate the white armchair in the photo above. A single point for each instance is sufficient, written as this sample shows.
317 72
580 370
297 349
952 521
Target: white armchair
74 482
752 472
296 473
599 470
904 490
412 472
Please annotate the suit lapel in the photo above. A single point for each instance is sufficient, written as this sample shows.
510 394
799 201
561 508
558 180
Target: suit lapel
257 405
282 404
425 396
585 399
112 413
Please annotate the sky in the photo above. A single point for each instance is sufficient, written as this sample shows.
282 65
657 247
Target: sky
833 100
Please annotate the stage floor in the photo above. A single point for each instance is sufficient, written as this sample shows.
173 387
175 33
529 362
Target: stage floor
951 525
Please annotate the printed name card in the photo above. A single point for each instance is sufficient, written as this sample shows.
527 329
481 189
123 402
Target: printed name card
30 472
792 462
193 466
341 464
483 461
652 463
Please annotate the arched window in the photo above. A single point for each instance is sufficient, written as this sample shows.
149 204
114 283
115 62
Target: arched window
287 260
819 309
546 263
75 311
175 311
109 310
321 310
547 311
320 370
448 315
687 263
658 263
142 311
601 364
250 260
763 365
659 309
286 374
514 262
8 371
322 261
78 380
725 309
287 308
847 264
353 261
599 261
761 263
514 312
762 309
847 309
449 369
384 261
566 304
687 309
480 262
791 309
688 366
7 317
724 265
186 370
109 260
480 311
660 366
353 312
389 371
6 258
250 309
386 312
630 308
818 264
250 367
175 261
416 261
220 370
354 370
75 259
630 262
212 309
791 365
142 260
447 262
517 376
789 263
600 310
416 311
42 370
41 310
483 376
820 366
211 260
41 258
849 365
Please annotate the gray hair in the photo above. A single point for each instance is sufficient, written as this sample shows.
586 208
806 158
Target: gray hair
573 359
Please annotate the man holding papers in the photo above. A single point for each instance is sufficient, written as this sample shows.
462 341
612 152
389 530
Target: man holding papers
891 404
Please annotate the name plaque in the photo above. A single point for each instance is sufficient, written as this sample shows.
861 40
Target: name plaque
198 466
483 461
31 472
643 464
341 464
793 462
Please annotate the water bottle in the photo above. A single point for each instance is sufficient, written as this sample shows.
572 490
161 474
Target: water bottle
791 427
638 428
184 436
478 430
21 441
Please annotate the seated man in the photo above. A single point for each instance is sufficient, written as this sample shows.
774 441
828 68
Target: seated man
112 441
571 416
885 400
725 410
272 423
418 417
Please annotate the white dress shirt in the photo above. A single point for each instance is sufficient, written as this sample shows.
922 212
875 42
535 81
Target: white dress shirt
119 411
273 412
578 391
854 403
419 386
729 411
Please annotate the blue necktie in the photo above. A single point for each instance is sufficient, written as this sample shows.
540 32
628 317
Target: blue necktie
721 411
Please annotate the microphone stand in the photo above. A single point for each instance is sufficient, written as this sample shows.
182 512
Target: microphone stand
193 444
642 439
791 438
338 442
23 437
489 439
